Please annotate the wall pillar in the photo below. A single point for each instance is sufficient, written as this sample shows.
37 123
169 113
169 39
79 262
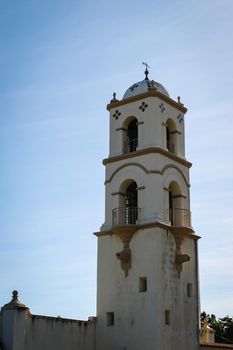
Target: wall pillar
12 316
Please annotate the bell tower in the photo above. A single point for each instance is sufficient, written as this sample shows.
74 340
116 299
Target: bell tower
147 280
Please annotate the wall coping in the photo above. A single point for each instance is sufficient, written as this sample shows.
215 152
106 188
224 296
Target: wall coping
61 319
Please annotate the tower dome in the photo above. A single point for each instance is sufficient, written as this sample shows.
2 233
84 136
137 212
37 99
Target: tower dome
144 86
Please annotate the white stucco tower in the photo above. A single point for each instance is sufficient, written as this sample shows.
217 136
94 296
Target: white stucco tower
147 284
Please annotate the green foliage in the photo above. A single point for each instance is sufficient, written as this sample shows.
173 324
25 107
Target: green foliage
223 327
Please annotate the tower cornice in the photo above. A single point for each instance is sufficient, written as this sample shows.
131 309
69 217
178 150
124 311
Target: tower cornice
150 93
145 151
179 232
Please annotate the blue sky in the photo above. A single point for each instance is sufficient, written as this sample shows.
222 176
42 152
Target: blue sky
60 62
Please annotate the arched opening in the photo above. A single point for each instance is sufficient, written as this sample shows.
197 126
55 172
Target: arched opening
171 136
131 135
131 204
174 202
178 216
128 212
174 195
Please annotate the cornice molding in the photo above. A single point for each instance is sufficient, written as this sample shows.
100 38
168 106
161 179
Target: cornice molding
176 231
150 93
148 150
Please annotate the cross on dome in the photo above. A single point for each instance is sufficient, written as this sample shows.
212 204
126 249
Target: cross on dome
146 71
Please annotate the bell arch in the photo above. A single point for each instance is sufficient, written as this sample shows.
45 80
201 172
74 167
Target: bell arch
130 139
127 212
178 214
174 196
171 136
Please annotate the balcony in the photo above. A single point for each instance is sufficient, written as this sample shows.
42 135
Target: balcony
179 217
131 145
125 216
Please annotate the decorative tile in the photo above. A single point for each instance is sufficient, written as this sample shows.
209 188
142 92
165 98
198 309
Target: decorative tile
133 87
117 114
180 118
143 106
161 106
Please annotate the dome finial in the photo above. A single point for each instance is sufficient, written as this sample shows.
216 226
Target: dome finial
146 71
114 99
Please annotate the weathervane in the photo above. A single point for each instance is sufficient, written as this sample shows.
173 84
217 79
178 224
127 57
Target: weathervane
146 71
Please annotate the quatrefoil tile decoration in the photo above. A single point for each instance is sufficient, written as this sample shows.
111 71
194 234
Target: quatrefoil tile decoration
161 106
180 118
143 106
133 87
117 114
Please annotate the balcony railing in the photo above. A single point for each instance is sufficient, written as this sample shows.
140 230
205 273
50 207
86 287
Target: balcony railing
125 216
179 217
171 147
131 145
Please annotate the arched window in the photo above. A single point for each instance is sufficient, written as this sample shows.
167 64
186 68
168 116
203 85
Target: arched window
171 136
130 138
128 212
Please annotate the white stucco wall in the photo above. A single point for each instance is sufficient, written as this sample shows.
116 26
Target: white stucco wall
139 316
22 331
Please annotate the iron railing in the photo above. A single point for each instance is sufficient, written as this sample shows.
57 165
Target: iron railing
125 216
131 145
179 217
171 147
